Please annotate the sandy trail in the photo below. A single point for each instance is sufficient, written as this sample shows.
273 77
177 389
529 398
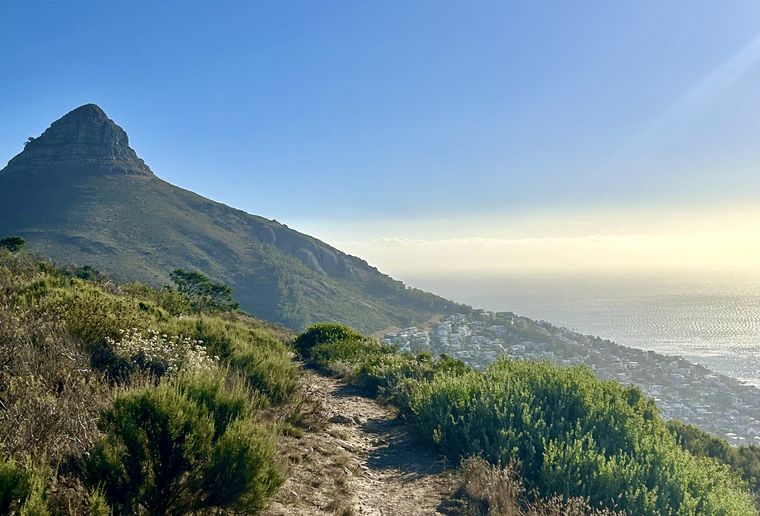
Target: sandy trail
365 462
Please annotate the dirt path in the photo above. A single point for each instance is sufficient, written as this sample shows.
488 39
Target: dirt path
364 462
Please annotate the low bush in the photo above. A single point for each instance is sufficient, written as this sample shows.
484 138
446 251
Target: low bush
183 447
167 298
346 354
324 333
159 353
97 505
744 459
574 436
14 486
23 488
394 375
263 360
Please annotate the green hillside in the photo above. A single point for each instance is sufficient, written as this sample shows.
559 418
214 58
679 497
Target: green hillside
80 194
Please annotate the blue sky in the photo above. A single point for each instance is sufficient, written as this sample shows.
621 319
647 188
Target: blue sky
385 119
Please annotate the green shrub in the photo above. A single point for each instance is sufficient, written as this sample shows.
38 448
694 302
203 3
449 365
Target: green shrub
262 359
14 486
36 503
271 373
322 333
12 244
221 395
384 372
90 312
241 473
97 505
744 459
162 448
330 355
169 299
574 436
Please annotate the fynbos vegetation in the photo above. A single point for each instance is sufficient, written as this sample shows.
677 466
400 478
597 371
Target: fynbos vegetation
128 399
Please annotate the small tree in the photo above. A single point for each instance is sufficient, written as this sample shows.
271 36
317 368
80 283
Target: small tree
13 244
87 272
203 293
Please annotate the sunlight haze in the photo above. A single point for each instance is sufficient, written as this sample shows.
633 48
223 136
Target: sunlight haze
709 240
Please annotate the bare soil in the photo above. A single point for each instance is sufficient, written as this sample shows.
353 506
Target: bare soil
362 461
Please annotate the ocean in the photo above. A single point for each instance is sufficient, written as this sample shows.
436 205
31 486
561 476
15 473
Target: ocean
713 320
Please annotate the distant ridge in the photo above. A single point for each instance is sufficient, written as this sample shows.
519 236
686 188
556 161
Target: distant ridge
80 194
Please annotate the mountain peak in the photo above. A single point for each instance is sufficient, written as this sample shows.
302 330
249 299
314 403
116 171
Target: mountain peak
82 142
87 112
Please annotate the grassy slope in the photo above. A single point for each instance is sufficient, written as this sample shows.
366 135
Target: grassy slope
142 228
60 374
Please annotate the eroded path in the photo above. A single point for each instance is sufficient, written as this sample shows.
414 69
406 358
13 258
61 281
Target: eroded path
363 462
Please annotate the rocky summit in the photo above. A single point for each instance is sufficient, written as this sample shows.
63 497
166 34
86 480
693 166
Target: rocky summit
84 141
79 194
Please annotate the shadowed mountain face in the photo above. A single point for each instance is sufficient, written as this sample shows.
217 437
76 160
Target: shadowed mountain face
80 194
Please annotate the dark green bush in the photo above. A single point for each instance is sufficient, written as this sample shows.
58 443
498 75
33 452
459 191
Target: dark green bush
13 244
23 488
322 333
241 474
396 376
14 486
97 505
224 397
744 459
183 447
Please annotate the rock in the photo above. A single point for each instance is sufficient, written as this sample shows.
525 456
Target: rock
83 142
340 419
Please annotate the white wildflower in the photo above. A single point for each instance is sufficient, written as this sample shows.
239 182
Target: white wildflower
173 354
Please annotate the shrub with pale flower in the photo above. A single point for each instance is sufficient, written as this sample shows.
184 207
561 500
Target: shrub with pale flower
160 353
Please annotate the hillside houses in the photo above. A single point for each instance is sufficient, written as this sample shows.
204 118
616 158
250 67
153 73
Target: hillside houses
682 390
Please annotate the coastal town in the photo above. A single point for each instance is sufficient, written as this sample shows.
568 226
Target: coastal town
682 390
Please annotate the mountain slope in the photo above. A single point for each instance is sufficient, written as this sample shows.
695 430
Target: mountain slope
80 194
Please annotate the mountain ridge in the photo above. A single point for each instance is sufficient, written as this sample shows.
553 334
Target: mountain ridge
79 194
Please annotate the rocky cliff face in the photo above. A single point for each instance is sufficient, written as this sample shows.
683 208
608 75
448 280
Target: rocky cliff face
83 142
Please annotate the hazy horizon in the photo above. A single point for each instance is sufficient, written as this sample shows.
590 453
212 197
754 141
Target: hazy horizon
611 243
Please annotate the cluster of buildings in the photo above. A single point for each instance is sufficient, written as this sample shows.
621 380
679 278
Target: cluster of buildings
683 390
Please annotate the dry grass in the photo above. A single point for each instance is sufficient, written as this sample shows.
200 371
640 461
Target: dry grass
498 491
50 397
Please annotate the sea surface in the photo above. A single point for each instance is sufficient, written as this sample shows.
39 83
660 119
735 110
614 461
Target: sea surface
713 320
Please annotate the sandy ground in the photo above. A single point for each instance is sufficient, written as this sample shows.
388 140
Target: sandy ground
364 461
